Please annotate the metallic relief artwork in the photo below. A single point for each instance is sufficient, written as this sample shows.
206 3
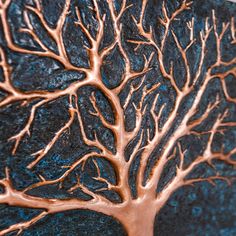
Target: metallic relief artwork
111 106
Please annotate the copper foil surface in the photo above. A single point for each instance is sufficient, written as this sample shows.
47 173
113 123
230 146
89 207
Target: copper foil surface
117 117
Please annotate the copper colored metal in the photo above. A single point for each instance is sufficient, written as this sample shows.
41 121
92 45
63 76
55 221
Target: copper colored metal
136 214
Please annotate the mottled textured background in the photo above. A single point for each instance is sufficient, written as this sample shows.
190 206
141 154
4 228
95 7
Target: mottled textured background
203 210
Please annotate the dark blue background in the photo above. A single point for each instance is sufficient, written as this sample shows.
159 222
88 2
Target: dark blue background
203 210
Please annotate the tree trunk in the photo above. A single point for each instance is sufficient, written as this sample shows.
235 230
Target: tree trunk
138 220
141 226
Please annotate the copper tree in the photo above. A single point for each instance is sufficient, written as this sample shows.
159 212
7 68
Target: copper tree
135 211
